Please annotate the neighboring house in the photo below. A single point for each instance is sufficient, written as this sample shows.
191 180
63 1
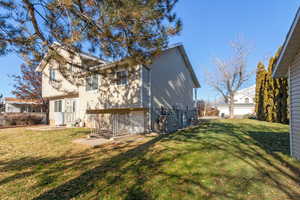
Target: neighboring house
288 65
14 105
244 103
119 97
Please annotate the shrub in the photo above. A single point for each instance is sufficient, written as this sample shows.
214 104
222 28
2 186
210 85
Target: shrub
23 119
249 116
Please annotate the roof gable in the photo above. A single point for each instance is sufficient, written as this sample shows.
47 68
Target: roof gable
187 62
290 49
105 65
58 46
182 52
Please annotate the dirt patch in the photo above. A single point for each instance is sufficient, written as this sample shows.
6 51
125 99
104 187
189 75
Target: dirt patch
46 128
92 142
97 142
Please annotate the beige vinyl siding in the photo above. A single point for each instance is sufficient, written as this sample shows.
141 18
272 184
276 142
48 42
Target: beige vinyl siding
295 107
171 83
53 89
61 86
145 87
110 95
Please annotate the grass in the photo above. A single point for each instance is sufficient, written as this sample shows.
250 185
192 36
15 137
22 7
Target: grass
225 159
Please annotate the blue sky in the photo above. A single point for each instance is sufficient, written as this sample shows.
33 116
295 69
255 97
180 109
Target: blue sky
208 28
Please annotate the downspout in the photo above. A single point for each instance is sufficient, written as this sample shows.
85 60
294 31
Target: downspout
150 99
142 85
148 85
196 97
196 103
291 117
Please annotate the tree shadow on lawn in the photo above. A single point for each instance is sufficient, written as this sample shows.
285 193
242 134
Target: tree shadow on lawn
128 174
259 149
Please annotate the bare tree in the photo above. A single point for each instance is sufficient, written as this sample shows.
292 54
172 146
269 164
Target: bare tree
28 85
201 108
231 74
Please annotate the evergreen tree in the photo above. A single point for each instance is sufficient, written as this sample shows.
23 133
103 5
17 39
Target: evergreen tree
281 96
259 95
271 94
110 29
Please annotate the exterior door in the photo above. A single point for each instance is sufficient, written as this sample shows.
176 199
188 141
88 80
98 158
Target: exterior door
58 114
71 106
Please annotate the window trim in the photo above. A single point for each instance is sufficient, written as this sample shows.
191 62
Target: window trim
127 77
58 108
52 74
89 86
74 106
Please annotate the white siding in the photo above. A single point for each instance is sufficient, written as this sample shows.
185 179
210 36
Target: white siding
238 110
10 108
295 107
65 102
171 83
247 93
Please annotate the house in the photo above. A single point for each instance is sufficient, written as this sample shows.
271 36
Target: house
14 105
118 97
244 103
288 65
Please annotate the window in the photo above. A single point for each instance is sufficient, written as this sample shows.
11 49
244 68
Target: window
74 106
92 82
71 68
247 100
51 74
122 78
58 106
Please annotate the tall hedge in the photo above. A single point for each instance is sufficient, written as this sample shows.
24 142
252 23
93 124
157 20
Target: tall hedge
259 94
271 94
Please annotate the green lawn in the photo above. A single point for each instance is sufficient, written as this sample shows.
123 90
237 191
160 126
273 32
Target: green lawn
229 159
